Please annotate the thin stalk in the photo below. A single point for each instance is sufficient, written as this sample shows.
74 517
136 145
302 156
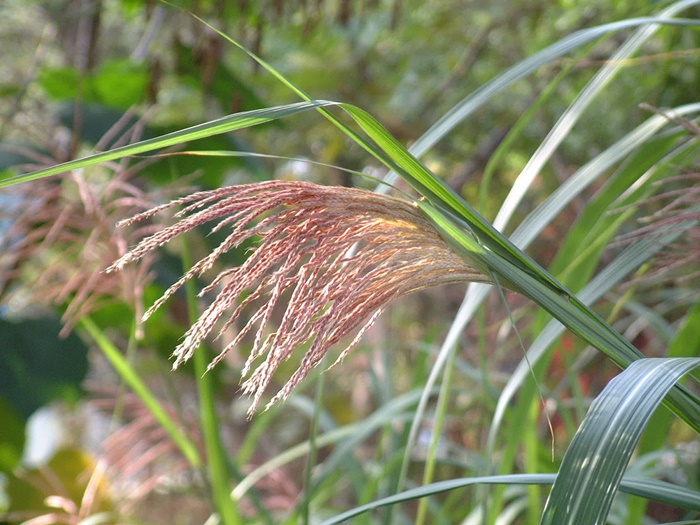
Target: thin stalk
216 455
119 397
440 414
532 445
134 381
313 446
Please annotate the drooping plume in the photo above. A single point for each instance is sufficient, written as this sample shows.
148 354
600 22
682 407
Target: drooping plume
341 255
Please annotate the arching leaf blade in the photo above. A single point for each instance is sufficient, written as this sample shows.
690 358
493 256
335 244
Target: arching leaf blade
595 461
215 127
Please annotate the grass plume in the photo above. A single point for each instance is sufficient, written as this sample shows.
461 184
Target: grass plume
340 254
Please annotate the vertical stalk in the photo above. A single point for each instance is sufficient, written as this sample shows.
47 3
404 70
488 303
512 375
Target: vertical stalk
313 447
134 381
440 414
219 477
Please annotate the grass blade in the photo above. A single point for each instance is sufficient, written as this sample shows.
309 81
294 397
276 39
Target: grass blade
215 127
132 378
599 453
574 112
645 487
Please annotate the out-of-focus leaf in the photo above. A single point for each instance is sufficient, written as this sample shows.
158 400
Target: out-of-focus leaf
9 90
61 83
37 365
121 83
11 437
117 83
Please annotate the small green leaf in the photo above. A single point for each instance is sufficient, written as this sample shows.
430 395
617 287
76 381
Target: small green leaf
120 83
60 83
117 84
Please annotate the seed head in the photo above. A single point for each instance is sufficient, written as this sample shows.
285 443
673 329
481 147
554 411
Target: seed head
339 255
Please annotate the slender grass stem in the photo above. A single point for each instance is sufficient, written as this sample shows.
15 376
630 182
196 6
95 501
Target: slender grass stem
134 381
219 477
440 414
313 446
131 345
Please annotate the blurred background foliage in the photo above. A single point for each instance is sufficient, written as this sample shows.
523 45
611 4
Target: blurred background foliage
84 74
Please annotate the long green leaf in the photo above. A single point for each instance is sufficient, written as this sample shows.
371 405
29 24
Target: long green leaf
131 378
598 455
645 487
215 127
630 259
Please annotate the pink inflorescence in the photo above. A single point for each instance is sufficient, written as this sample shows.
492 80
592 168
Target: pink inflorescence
341 255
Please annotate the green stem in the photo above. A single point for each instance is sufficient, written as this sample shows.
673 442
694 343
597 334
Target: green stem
216 455
313 446
134 381
440 414
532 445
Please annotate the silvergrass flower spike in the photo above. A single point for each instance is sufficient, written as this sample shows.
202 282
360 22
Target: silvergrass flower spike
305 235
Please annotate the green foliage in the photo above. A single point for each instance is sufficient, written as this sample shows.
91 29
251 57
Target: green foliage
38 366
12 443
117 83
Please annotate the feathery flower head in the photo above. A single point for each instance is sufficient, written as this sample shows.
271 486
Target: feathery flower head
61 236
677 207
340 254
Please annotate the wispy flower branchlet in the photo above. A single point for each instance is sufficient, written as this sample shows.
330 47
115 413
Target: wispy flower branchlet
57 234
61 236
341 255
